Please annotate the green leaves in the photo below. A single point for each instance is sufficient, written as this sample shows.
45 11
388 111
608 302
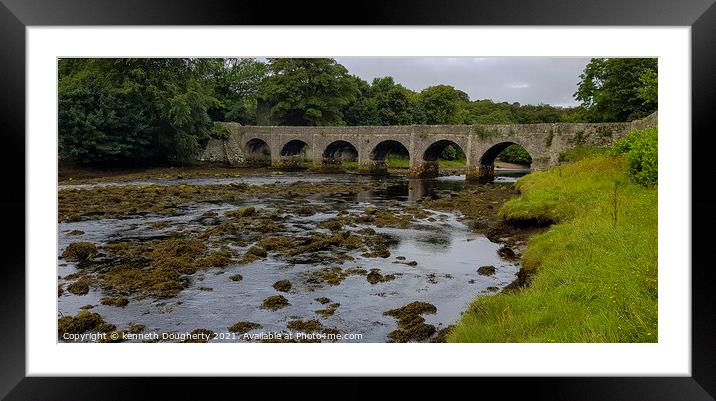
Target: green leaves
640 148
133 109
618 89
443 104
307 91
515 154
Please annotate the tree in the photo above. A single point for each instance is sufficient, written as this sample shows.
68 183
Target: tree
443 104
98 123
395 105
610 88
307 91
235 83
649 92
362 109
134 109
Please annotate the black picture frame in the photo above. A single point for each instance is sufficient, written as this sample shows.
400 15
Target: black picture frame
16 15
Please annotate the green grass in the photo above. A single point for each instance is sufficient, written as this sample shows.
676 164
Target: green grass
581 152
349 165
451 163
397 161
594 281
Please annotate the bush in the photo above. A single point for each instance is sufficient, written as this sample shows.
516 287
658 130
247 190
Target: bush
640 148
515 154
452 153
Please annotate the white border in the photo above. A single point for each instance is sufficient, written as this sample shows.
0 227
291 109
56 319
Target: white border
670 356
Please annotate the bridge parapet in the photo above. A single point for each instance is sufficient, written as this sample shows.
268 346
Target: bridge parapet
364 144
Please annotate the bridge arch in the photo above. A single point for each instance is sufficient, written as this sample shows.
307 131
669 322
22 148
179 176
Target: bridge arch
257 152
492 152
339 151
487 160
389 146
294 148
382 150
441 149
293 154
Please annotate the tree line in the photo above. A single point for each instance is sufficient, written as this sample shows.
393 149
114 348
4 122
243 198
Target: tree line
164 110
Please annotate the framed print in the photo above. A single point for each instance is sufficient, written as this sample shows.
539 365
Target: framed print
469 190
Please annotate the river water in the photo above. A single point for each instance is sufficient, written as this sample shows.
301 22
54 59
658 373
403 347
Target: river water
447 253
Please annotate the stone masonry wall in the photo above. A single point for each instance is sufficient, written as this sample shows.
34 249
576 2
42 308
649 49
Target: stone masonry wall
544 142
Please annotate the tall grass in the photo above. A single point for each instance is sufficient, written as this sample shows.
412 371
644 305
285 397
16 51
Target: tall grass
596 269
581 152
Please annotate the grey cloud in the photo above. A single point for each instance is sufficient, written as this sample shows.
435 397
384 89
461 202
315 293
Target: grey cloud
527 80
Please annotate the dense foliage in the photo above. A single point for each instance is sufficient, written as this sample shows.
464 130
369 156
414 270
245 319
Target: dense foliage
235 82
618 89
640 148
134 109
307 91
515 154
163 110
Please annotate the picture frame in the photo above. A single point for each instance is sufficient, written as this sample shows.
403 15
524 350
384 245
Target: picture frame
16 15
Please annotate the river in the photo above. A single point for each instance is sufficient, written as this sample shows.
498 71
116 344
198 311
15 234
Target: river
434 260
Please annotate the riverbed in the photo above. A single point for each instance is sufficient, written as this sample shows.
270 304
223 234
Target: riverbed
391 252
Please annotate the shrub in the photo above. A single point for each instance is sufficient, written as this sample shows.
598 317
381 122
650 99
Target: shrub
452 153
515 154
640 148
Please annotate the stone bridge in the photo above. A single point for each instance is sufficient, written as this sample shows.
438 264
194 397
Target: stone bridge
326 147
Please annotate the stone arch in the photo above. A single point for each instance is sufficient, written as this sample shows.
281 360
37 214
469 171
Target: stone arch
377 163
487 159
257 152
339 151
294 148
489 156
381 150
429 166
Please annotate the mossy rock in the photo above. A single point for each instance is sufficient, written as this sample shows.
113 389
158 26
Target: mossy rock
506 252
305 211
80 252
282 285
220 258
413 308
412 326
329 311
488 270
79 287
275 302
375 277
81 322
120 301
257 251
307 326
243 212
323 300
243 327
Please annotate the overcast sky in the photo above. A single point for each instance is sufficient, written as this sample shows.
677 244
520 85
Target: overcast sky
528 80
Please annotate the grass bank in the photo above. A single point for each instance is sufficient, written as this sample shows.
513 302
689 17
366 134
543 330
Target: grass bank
594 272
